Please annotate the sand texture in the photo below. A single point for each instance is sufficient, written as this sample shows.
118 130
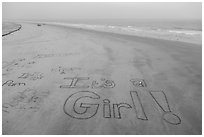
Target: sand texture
63 80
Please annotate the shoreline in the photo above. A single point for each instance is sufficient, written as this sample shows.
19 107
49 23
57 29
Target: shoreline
135 38
172 35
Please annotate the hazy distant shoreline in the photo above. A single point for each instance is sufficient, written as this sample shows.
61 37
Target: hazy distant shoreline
173 33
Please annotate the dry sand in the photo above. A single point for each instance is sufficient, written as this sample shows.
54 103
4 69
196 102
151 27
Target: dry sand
63 80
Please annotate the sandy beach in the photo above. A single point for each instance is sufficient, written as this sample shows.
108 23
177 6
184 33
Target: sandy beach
65 80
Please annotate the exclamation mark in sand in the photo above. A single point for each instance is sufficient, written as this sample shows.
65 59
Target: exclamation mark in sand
161 100
138 105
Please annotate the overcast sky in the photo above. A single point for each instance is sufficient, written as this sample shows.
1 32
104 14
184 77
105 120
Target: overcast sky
101 10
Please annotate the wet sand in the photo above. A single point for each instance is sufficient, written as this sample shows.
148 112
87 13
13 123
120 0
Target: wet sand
63 80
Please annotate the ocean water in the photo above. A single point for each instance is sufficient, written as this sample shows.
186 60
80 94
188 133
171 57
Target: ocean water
179 30
144 23
175 27
188 27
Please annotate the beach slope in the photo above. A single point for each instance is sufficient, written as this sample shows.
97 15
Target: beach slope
63 80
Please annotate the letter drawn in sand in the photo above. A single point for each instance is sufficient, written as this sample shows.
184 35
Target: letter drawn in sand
106 108
74 81
12 83
104 84
31 76
24 75
65 70
108 83
161 100
138 82
117 107
139 110
80 105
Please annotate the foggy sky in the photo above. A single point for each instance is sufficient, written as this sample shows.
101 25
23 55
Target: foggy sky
101 10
